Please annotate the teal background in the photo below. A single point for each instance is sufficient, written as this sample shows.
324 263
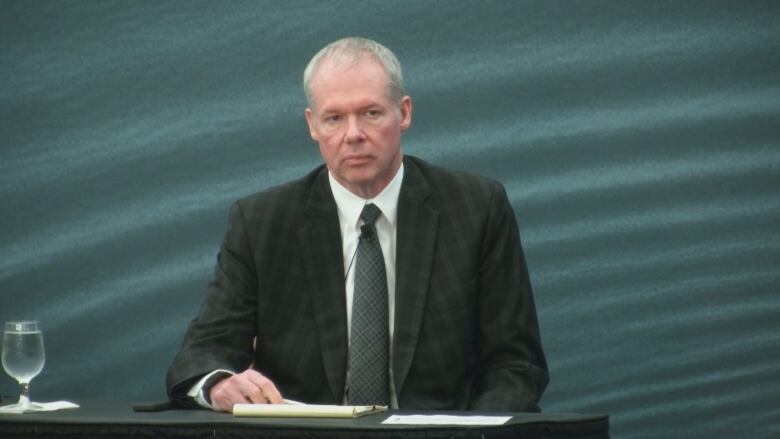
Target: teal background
638 142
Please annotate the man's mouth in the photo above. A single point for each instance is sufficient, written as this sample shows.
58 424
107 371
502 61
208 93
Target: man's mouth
357 159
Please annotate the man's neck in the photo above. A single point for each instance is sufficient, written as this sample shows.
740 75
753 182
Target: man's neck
344 192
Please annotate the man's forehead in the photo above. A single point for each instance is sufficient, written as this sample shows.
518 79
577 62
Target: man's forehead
335 68
334 81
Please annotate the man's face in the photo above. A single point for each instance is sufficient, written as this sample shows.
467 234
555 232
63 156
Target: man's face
357 124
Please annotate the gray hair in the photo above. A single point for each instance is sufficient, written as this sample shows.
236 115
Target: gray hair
351 50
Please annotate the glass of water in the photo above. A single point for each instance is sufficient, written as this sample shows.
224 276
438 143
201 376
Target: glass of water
23 356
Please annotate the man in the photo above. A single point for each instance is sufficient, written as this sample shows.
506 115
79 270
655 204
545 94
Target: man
285 315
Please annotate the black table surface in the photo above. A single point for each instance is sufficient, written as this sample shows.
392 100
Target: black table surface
95 419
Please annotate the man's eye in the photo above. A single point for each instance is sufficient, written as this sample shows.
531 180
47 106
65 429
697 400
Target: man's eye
373 113
332 119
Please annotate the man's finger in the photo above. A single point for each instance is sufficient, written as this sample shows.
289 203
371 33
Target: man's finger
252 392
267 387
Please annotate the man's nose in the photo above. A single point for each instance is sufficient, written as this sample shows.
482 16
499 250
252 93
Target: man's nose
354 131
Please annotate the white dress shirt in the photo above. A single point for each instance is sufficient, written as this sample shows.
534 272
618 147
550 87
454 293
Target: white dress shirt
349 207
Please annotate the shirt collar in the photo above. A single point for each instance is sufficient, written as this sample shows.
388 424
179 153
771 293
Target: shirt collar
350 205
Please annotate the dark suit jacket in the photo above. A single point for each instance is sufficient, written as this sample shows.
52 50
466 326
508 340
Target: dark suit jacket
466 333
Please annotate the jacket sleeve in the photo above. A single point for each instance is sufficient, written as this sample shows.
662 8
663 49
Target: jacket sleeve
512 371
221 336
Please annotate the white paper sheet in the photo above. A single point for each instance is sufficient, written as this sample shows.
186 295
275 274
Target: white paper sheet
40 407
445 420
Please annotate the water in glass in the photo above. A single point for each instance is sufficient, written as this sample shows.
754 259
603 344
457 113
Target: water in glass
23 355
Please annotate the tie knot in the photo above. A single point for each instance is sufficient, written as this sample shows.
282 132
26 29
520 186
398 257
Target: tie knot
370 213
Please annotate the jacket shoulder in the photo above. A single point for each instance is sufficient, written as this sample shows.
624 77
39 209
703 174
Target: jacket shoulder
452 186
290 195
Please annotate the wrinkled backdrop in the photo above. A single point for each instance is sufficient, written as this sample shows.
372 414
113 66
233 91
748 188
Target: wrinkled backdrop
638 142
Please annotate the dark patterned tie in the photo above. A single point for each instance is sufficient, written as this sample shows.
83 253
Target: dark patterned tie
368 358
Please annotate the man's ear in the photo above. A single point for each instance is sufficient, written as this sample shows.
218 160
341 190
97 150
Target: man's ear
406 112
310 121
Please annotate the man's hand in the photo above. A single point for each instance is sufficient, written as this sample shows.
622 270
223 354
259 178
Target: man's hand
249 386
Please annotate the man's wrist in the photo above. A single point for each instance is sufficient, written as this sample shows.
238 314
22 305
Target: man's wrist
210 382
200 390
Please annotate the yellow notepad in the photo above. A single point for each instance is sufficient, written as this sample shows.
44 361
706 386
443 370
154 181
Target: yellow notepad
306 410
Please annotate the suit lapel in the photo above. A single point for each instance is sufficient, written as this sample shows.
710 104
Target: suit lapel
320 244
415 241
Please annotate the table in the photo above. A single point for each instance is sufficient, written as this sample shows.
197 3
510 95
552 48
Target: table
98 419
